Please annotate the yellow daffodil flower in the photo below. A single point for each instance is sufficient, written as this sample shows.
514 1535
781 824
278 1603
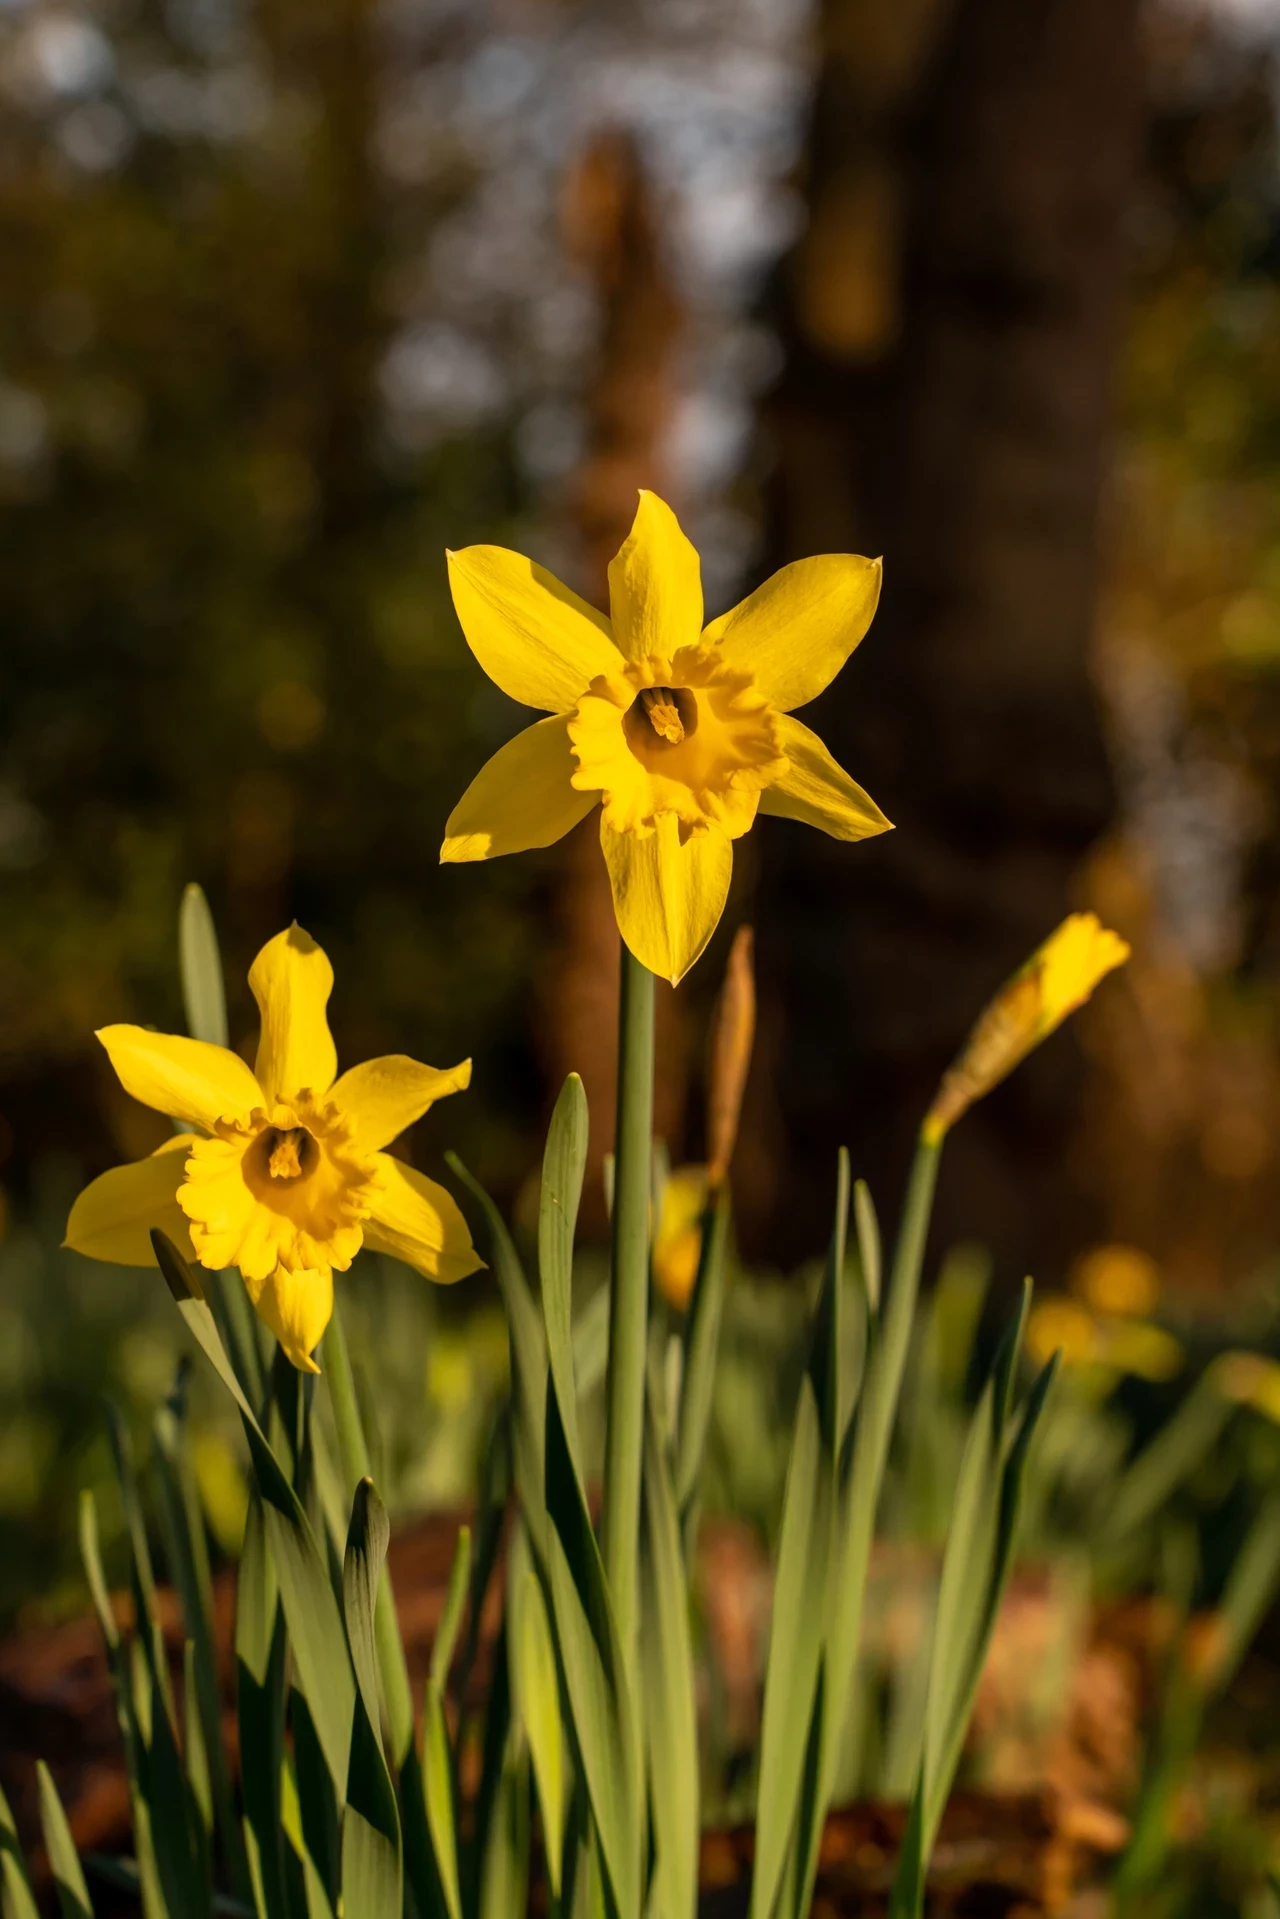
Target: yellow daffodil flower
283 1172
677 1243
1056 980
1122 1281
680 733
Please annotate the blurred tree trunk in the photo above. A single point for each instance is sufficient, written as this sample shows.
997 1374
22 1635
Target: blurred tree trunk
951 324
611 228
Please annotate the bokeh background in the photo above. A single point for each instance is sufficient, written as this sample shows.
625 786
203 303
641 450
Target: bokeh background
295 293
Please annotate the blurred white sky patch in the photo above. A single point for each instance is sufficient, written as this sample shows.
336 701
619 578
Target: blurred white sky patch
715 94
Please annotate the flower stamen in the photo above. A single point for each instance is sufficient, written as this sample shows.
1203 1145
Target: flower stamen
287 1152
663 714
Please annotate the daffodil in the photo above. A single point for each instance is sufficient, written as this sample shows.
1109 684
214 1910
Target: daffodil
677 1242
282 1171
1054 983
680 733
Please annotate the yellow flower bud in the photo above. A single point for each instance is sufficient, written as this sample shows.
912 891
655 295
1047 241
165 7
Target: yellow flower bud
1056 980
731 1041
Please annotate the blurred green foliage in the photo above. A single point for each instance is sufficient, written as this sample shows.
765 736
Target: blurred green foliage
228 649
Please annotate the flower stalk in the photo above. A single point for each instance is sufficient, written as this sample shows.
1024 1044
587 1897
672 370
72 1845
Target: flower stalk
629 1302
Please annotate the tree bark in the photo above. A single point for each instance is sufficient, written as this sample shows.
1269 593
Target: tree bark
951 322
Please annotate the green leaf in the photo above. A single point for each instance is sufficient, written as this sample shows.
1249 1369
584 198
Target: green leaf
868 1227
451 1617
187 1551
504 1872
260 1699
536 1695
790 1805
795 1647
563 1166
975 1574
316 1634
529 1364
64 1863
602 1712
701 1345
1175 1452
16 1898
437 1788
204 996
372 1856
666 1668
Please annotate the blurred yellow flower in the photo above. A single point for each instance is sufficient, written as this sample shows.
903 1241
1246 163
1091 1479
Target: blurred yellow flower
283 1173
677 1244
1136 1347
1061 1326
1250 1380
1120 1280
1056 980
680 733
223 1489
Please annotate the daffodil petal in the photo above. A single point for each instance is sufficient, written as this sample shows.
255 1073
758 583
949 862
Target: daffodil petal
297 1306
417 1221
818 791
534 637
520 798
794 633
114 1215
189 1079
382 1097
655 584
291 981
667 897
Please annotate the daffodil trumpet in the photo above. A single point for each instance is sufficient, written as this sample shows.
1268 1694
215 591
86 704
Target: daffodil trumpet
281 1169
681 733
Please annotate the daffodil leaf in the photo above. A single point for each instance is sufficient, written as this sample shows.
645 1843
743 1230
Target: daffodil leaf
187 1551
16 1898
602 1713
504 1870
437 1785
322 1664
975 1574
260 1704
701 1344
455 1600
869 1253
528 1355
666 1667
563 1167
64 1863
372 1857
204 995
535 1693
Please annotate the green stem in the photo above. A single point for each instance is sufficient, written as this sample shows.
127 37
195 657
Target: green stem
629 1296
353 1453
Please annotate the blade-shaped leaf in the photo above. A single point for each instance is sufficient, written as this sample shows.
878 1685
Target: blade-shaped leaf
666 1667
316 1634
563 1166
372 1857
535 1692
68 1877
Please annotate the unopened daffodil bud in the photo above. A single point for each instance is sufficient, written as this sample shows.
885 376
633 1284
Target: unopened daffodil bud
731 1041
1056 980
